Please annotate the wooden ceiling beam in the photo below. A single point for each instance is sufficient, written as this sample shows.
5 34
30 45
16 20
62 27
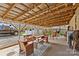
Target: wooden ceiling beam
46 10
77 5
49 9
14 11
56 12
8 10
35 5
55 17
19 8
49 15
52 20
48 22
3 7
67 18
58 20
64 17
24 12
56 24
27 7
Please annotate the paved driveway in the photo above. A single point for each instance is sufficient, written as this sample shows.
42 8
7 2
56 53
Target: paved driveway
8 41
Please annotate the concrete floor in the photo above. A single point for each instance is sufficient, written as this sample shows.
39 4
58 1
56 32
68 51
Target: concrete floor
59 40
14 50
12 40
59 48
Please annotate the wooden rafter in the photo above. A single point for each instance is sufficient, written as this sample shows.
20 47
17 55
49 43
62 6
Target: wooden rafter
49 9
54 20
44 12
56 24
64 9
28 7
58 20
51 24
53 16
39 14
10 8
3 7
59 23
24 12
14 11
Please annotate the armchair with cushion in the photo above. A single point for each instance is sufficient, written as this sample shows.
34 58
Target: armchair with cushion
45 38
26 47
30 38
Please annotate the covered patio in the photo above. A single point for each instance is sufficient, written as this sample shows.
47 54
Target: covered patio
41 28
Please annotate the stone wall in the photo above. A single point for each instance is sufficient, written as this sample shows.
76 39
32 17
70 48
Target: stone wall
75 20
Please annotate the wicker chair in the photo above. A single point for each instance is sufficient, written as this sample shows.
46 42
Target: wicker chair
25 47
30 38
45 38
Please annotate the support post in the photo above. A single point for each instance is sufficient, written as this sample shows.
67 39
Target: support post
75 22
19 31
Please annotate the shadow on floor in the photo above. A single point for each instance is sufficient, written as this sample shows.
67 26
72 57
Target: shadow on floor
59 50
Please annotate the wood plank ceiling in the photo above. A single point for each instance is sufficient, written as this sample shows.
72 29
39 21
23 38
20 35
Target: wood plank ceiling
42 14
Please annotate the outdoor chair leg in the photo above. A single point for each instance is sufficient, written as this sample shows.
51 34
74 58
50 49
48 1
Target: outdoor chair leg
25 53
